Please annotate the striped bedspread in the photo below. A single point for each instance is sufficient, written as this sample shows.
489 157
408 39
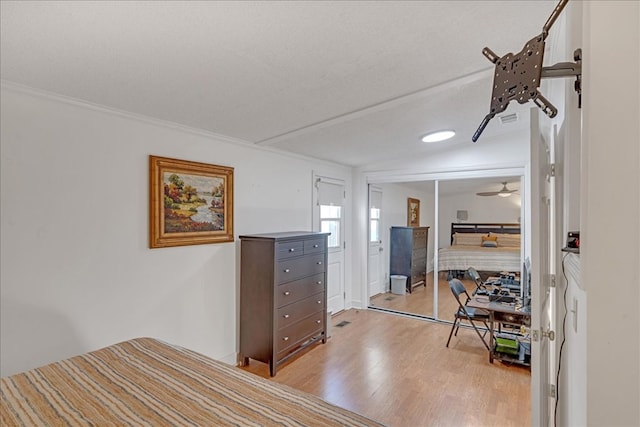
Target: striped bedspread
461 257
145 382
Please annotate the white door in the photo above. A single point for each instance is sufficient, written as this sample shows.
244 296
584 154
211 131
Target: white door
329 217
376 282
542 274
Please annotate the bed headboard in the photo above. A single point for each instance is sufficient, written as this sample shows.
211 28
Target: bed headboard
484 228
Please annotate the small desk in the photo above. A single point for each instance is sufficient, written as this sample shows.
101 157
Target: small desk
500 313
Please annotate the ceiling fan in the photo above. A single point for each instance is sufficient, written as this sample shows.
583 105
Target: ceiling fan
504 192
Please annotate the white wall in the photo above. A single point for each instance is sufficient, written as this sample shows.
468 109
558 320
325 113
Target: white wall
572 379
610 210
77 273
480 209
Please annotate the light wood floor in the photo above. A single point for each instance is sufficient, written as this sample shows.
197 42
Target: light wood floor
420 301
398 371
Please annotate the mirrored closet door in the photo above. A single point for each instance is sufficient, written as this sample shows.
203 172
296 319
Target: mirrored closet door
444 205
406 219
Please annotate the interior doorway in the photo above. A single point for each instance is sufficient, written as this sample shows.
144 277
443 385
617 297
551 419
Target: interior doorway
329 216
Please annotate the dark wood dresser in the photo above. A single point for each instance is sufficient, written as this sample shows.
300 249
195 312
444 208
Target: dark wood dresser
283 295
408 254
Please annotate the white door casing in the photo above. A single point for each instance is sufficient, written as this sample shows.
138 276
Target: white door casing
377 283
542 274
329 195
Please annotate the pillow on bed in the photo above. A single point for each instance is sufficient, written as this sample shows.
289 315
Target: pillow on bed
468 239
489 242
507 240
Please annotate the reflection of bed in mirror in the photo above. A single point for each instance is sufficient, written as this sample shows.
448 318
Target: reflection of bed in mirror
486 247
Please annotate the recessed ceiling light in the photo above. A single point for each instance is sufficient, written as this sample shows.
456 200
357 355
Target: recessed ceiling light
440 135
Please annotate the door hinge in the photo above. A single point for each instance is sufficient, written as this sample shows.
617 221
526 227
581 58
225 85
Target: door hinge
550 171
552 390
552 280
535 334
344 245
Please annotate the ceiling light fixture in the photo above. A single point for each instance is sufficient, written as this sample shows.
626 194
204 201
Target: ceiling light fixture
438 136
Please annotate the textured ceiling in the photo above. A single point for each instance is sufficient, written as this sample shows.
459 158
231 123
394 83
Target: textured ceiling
467 187
350 82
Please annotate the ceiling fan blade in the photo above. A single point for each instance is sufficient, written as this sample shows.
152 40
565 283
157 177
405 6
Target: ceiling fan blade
503 191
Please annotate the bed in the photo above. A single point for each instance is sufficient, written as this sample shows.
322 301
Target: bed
486 247
145 381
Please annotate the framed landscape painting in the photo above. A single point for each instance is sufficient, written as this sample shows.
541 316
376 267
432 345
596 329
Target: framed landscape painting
413 212
190 203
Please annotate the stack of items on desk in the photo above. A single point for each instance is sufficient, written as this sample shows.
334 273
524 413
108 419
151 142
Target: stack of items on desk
510 281
513 345
502 295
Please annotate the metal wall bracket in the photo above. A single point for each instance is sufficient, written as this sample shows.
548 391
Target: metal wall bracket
517 76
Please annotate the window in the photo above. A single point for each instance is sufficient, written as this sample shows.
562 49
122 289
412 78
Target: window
374 225
330 222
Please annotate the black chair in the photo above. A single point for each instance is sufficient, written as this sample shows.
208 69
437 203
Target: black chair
469 313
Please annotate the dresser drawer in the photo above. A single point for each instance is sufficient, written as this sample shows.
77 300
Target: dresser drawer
313 246
291 336
419 253
286 250
291 292
419 238
296 268
419 265
292 313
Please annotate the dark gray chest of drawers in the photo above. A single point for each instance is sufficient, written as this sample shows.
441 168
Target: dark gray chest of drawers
408 254
283 295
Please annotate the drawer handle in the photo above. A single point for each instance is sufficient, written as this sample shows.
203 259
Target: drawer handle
292 250
319 262
287 293
318 321
319 282
286 316
316 246
319 302
286 270
285 339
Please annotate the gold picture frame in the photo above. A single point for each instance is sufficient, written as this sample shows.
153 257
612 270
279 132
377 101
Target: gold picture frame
413 212
190 203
